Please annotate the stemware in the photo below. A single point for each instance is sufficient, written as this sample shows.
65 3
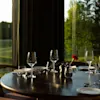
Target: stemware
54 58
89 57
97 64
25 72
31 61
19 74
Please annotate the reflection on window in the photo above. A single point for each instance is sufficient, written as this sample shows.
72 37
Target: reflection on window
81 27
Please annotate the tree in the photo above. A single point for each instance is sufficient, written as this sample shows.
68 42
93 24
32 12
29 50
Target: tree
92 10
84 25
5 30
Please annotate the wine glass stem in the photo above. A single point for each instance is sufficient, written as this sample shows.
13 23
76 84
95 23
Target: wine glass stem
89 66
32 71
53 65
89 79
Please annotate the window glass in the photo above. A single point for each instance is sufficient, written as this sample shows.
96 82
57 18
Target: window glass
81 27
5 31
9 31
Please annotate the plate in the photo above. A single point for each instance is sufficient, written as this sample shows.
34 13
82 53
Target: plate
89 91
86 68
73 67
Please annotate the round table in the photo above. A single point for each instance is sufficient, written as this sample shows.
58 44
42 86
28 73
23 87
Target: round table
48 85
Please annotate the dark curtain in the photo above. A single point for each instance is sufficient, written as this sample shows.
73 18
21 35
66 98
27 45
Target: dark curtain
41 29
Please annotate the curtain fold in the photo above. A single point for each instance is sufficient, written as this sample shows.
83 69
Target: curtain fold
15 23
41 29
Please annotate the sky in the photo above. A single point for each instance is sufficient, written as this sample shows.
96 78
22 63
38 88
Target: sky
6 10
66 7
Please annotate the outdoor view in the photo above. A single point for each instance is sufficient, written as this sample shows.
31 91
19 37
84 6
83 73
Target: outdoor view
5 32
81 27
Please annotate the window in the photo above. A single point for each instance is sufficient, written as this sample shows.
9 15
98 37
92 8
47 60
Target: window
82 23
9 24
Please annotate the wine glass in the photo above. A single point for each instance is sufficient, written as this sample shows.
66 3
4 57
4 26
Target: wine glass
31 61
97 63
54 58
89 57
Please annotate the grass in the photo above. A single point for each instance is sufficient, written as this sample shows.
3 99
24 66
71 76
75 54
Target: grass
5 55
6 52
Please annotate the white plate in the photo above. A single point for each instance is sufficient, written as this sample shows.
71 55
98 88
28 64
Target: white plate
86 68
73 67
89 91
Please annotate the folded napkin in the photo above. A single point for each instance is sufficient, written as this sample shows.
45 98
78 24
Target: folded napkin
23 70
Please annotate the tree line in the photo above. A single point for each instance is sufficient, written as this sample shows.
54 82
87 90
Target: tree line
5 30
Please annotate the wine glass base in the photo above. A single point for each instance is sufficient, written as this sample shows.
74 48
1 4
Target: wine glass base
92 71
19 74
89 72
31 76
97 73
54 71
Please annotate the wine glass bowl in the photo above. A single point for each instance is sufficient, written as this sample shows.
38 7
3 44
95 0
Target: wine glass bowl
89 57
31 61
54 58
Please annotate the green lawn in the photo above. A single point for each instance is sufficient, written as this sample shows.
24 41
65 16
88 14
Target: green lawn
6 52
